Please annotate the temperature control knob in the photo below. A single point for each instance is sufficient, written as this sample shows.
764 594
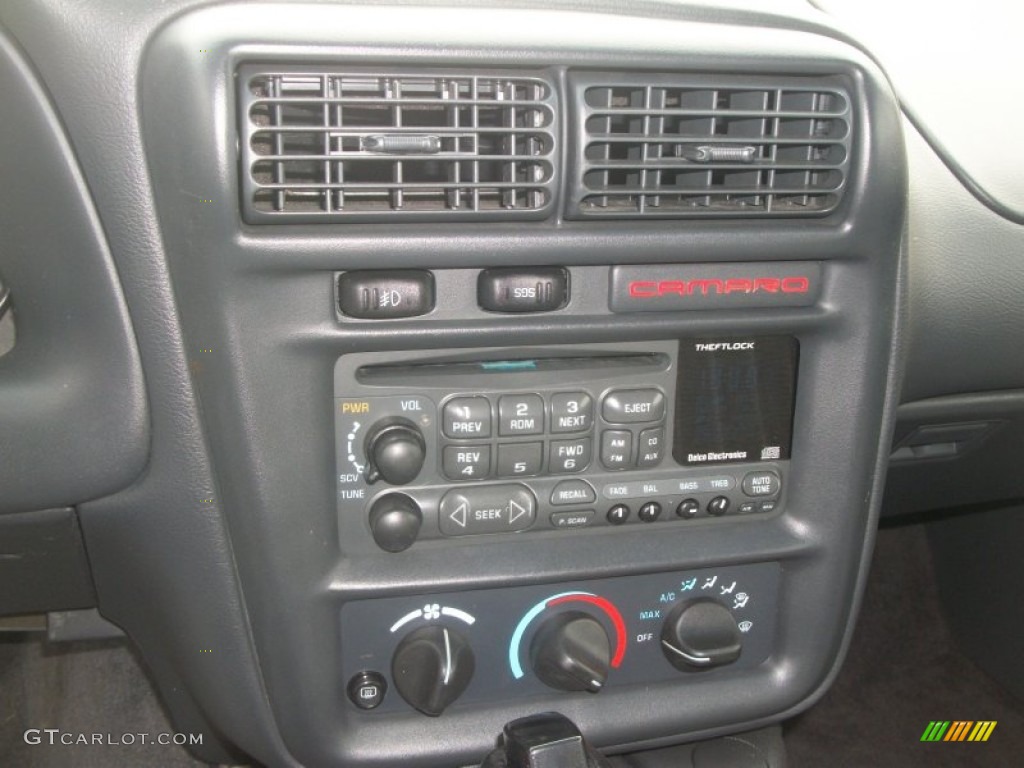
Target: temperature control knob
395 521
432 667
571 652
395 451
700 634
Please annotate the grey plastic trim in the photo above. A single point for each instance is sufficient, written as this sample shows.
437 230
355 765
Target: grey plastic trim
73 381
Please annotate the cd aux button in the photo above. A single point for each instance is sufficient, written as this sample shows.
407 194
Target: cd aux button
652 447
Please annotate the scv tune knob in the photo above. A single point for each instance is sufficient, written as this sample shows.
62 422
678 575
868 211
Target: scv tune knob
700 634
432 667
395 521
571 652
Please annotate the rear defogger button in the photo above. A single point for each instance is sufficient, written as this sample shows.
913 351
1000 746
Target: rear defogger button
487 509
632 406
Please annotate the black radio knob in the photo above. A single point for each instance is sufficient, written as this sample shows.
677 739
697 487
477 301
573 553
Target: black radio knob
395 451
395 521
432 667
700 634
571 652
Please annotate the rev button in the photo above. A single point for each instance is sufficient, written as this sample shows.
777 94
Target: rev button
487 509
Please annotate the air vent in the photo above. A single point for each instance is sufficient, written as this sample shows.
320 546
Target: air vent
340 145
678 146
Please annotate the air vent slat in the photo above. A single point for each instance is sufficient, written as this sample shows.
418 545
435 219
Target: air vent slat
336 144
681 145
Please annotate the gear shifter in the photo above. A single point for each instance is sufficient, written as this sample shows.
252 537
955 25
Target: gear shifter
548 740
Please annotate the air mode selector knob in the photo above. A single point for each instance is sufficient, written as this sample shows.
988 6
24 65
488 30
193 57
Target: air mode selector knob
395 451
432 667
395 521
571 652
700 634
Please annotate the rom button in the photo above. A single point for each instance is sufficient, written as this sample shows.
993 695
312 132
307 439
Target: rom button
487 509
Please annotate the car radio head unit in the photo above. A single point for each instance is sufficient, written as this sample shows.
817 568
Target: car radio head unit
456 443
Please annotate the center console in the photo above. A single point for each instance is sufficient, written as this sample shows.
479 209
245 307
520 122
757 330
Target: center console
538 371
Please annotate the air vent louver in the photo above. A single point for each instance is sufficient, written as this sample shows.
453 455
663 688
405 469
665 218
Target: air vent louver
678 146
326 145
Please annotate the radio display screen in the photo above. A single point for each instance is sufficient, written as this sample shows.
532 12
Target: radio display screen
734 399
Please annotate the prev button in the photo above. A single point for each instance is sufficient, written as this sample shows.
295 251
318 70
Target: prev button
487 509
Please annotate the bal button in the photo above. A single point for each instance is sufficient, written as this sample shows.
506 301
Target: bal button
649 512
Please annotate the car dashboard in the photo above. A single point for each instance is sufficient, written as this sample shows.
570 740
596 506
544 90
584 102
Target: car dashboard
389 373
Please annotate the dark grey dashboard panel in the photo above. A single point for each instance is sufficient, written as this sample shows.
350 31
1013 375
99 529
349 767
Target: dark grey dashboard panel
262 306
261 299
73 417
966 280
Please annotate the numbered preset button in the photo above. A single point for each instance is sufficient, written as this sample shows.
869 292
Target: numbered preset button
467 418
571 412
467 462
519 459
570 455
520 415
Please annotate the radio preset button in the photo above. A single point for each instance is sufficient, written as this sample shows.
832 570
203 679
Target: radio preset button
616 448
652 447
649 512
688 508
487 509
520 415
467 418
573 492
570 455
718 506
519 459
571 412
760 484
632 406
572 519
618 514
467 462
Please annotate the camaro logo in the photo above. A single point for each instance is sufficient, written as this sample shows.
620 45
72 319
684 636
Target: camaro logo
959 730
649 289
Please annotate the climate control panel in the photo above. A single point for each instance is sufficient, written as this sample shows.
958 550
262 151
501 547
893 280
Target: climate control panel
463 444
429 653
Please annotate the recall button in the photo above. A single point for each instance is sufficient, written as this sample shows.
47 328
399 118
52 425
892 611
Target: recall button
573 492
632 406
487 509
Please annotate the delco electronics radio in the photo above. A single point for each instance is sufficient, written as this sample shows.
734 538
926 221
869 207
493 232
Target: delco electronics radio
455 443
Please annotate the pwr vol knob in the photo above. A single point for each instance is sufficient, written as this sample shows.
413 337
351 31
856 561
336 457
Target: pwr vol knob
395 451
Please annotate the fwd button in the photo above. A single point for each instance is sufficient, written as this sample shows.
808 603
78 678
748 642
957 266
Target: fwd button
487 509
